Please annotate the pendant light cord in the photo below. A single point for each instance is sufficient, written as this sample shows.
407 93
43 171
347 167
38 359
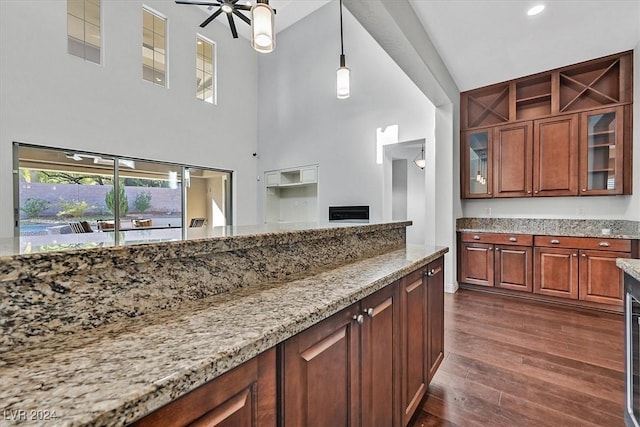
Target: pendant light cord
341 42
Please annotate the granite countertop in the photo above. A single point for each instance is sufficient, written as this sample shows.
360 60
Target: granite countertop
602 228
630 266
117 373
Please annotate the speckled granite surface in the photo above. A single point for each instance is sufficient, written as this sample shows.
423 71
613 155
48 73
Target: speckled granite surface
117 373
630 266
620 229
63 292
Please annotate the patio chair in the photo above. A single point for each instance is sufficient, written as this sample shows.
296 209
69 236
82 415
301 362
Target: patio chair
77 227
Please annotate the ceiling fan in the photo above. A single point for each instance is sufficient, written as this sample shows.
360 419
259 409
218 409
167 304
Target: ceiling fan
230 7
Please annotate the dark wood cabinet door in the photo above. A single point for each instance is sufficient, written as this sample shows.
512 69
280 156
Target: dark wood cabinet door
320 370
514 267
477 164
476 264
414 348
380 358
512 160
601 151
600 280
555 156
243 397
435 311
556 272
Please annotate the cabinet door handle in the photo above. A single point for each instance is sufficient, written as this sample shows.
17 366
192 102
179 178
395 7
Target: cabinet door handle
575 254
536 191
529 192
584 189
489 193
555 241
369 312
476 237
513 239
434 271
604 244
358 318
584 255
497 249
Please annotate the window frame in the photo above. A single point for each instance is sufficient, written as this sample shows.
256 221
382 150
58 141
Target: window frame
84 38
214 69
156 14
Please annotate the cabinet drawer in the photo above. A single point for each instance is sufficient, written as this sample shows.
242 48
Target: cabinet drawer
618 245
499 238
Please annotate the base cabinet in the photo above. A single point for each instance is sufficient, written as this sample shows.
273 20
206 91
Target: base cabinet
556 272
477 264
514 267
367 365
600 279
243 397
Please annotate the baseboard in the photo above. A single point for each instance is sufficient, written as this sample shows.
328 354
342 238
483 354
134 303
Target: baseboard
450 288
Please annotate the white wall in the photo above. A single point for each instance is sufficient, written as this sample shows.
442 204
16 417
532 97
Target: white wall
610 207
302 122
51 98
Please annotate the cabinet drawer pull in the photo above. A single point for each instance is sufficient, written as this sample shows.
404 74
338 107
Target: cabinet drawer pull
575 254
584 255
369 312
476 237
555 241
604 244
513 239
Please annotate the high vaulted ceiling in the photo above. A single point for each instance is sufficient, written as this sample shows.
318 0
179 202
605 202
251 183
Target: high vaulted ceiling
488 41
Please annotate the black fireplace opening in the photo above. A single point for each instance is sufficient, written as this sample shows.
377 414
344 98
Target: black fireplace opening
349 213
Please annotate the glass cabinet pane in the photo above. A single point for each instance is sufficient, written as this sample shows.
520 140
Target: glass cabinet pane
478 163
601 151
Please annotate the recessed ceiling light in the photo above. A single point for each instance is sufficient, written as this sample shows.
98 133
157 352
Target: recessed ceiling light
535 10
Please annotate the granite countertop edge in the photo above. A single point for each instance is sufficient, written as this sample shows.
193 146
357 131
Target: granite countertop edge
119 407
41 263
545 233
629 266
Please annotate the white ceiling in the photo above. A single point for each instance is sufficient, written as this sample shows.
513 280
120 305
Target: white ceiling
488 41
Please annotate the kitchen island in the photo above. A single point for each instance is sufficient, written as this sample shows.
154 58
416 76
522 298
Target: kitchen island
105 336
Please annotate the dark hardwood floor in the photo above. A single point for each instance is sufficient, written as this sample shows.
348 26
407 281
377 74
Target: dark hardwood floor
512 362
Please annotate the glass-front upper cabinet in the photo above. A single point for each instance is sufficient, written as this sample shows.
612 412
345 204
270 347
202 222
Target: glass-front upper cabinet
601 153
478 164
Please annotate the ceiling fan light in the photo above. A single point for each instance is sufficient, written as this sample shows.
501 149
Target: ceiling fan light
263 37
227 8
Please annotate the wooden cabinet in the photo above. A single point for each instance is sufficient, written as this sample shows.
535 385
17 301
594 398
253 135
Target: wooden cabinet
556 272
414 351
581 268
555 156
243 397
496 259
514 267
602 153
477 169
512 158
564 132
320 370
600 279
435 314
380 337
371 363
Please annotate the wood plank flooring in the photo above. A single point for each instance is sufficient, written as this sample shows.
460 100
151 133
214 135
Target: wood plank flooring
512 362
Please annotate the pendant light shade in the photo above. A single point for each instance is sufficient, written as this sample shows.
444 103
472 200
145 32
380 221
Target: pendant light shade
343 84
420 160
263 35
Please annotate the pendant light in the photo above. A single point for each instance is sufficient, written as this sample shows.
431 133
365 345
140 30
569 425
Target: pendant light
263 35
420 160
342 81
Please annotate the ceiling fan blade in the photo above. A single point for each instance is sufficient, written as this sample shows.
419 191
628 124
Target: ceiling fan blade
232 24
241 16
211 18
199 3
242 7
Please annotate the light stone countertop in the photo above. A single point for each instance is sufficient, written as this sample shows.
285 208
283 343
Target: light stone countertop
629 266
602 228
117 373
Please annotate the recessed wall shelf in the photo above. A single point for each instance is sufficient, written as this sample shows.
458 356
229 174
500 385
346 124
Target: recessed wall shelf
291 195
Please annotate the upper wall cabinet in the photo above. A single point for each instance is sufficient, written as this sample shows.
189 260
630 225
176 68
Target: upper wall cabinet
565 132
